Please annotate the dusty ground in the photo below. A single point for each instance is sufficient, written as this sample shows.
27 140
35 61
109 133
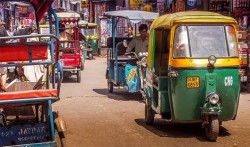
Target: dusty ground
95 118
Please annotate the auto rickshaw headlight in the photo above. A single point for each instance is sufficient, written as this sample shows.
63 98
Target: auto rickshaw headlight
213 98
212 60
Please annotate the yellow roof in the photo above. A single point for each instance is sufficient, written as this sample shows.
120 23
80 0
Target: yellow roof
186 17
168 20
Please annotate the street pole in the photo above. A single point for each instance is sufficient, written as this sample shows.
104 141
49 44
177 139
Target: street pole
2 11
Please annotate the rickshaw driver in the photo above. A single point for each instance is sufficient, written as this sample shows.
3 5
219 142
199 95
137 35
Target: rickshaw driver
140 43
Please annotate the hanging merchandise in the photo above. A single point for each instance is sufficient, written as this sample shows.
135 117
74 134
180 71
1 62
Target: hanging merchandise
148 8
134 4
180 5
241 11
84 4
221 6
193 5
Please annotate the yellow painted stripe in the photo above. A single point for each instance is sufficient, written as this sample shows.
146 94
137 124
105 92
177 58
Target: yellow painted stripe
204 62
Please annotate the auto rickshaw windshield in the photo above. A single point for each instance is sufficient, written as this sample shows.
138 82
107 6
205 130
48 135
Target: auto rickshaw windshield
203 41
88 31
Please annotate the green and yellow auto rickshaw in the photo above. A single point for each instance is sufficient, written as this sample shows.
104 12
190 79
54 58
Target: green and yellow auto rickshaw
193 72
90 38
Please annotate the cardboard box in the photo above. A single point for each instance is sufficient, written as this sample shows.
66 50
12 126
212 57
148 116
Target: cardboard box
242 35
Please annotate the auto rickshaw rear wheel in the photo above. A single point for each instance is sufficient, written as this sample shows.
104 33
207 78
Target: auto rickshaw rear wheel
110 86
78 76
149 115
212 129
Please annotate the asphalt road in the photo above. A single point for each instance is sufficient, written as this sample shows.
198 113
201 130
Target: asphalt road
96 118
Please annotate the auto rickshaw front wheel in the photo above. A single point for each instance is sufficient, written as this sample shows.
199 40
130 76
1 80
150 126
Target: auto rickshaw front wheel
212 129
149 115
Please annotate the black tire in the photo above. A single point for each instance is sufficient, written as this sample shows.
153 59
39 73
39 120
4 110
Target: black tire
149 115
60 139
110 86
82 65
78 76
212 129
90 56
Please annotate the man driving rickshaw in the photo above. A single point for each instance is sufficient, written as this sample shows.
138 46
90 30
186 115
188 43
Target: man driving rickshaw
139 43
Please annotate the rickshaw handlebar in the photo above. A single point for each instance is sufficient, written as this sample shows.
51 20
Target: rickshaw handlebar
133 54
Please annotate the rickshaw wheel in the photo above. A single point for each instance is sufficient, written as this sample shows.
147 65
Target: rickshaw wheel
212 130
149 115
78 76
60 139
82 65
110 86
90 56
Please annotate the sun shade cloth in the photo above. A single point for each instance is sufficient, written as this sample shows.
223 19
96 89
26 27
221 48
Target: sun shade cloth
134 15
68 15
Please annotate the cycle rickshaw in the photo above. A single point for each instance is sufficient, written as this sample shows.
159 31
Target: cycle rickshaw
26 114
70 51
122 70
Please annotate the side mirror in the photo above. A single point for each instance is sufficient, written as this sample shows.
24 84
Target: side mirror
125 43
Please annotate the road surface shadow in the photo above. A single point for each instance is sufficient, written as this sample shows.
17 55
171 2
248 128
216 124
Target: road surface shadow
120 95
245 93
71 79
163 128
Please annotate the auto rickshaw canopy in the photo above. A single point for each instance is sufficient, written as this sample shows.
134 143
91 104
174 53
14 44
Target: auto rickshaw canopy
166 21
170 21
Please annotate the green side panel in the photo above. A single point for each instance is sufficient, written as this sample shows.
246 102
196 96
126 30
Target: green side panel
163 94
155 97
163 84
94 45
165 105
186 102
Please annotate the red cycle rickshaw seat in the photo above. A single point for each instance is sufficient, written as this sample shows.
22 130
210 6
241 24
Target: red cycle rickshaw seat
28 94
20 52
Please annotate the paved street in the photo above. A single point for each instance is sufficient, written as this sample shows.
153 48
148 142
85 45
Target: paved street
95 118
